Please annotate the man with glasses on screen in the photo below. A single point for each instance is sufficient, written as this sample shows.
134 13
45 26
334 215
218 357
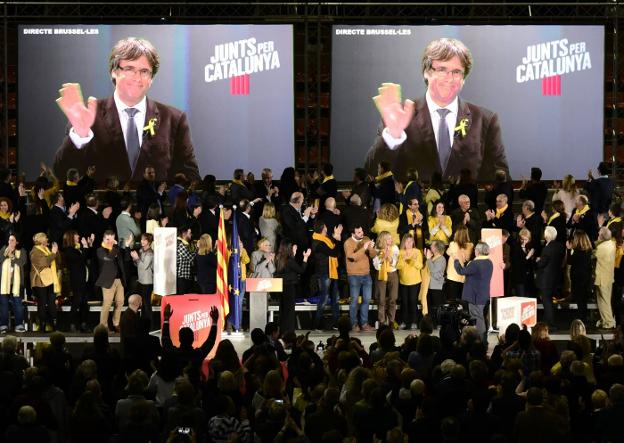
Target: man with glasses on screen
123 134
439 132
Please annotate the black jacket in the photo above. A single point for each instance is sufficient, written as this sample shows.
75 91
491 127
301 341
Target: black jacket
549 266
111 267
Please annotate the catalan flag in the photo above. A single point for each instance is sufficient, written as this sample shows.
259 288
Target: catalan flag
222 265
236 293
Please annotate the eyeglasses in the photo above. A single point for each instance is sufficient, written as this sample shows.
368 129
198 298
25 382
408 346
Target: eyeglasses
131 70
457 74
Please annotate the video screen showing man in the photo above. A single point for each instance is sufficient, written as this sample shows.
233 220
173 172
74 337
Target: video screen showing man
123 134
439 132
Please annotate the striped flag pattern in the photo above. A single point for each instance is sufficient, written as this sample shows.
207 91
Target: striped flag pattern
239 85
222 272
551 85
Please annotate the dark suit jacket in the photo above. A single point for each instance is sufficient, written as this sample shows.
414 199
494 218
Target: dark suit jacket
91 223
481 150
477 285
548 269
59 223
294 227
246 232
111 267
405 228
147 195
586 222
169 150
209 222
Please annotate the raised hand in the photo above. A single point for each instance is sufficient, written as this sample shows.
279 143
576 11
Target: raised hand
396 116
169 312
306 254
214 314
80 116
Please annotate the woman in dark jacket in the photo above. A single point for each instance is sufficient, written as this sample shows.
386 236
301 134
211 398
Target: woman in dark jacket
206 261
522 264
557 219
287 268
76 253
580 260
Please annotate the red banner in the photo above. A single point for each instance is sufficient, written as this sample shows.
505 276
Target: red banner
193 311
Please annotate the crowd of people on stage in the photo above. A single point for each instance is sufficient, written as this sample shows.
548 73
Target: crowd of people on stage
388 239
414 249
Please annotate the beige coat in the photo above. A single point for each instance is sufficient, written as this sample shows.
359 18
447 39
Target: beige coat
605 262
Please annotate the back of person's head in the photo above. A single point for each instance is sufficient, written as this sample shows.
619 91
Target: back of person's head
57 340
73 175
616 394
604 168
226 381
328 169
186 336
599 399
344 325
9 344
536 174
511 333
100 336
417 387
185 392
615 360
273 384
26 415
319 226
395 435
271 328
137 382
447 366
387 339
258 336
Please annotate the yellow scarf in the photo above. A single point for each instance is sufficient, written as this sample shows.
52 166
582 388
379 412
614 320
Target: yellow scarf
552 217
11 283
328 178
333 261
614 220
105 246
382 176
499 212
57 283
383 269
410 216
68 183
582 211
5 215
184 242
238 182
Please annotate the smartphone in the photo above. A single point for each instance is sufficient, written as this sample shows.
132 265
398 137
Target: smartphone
280 402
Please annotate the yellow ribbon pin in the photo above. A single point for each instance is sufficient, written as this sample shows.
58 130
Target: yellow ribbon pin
461 128
151 126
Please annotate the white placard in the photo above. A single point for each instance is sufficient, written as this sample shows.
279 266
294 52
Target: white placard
165 261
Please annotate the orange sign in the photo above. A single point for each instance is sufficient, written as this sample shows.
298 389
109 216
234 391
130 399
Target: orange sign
263 285
494 239
192 311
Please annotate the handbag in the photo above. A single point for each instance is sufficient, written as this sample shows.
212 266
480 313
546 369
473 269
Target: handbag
46 276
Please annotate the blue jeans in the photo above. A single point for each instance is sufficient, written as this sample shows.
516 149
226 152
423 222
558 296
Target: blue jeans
365 283
16 305
325 286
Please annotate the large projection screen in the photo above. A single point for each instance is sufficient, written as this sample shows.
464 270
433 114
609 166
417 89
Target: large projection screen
248 129
560 131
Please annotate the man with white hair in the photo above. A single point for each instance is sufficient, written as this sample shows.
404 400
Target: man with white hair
549 272
605 263
476 289
583 218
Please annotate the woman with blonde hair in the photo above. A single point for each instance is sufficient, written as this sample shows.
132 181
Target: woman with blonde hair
522 257
206 261
409 266
387 221
44 281
440 224
268 224
263 260
461 244
567 193
387 283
